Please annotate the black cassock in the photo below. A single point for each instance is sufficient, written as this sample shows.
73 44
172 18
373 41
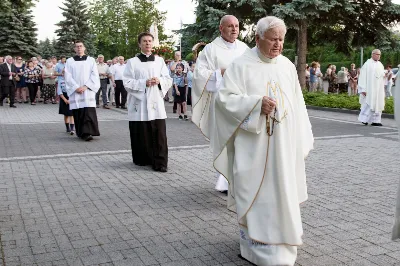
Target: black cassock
149 138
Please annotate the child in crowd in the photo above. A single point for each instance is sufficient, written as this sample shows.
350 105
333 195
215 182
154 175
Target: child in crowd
64 102
180 87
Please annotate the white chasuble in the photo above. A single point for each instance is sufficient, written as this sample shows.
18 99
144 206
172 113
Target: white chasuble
263 160
216 55
81 71
371 81
146 103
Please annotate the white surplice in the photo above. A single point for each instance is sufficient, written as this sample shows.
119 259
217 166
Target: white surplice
371 81
396 95
146 103
207 79
78 74
266 173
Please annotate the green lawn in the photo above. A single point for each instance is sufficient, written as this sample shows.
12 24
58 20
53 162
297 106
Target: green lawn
340 101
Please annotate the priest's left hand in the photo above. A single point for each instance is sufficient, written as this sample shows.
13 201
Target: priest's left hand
268 105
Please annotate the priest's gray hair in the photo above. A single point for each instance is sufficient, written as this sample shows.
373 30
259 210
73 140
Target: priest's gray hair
267 23
225 18
375 51
8 57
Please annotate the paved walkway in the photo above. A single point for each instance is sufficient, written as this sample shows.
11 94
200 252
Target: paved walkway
97 208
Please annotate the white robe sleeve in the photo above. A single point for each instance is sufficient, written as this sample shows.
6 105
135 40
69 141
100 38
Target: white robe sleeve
93 83
253 122
70 83
214 83
165 79
131 83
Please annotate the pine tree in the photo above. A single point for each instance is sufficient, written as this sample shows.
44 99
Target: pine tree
46 49
18 32
74 27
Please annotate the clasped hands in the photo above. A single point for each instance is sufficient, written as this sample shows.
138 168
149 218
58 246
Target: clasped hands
81 90
268 105
152 82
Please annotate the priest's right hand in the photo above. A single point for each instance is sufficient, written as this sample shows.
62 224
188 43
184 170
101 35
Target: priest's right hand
268 105
223 72
364 93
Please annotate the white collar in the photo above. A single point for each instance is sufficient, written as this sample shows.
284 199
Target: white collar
230 45
266 59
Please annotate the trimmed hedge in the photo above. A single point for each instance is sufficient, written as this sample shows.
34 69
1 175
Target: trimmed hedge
340 101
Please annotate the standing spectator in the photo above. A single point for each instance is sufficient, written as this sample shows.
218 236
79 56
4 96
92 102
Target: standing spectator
49 83
307 77
104 73
59 72
328 76
172 67
319 78
32 75
110 87
353 79
342 80
21 85
180 86
54 62
38 64
7 85
333 80
313 77
388 81
192 65
117 77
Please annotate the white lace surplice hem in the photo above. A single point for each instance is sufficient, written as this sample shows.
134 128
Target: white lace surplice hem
266 255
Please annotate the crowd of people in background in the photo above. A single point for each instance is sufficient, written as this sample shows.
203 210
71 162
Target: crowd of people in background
37 80
342 81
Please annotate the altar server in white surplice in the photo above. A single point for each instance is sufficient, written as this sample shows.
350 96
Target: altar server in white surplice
396 95
261 140
147 80
371 89
82 83
207 79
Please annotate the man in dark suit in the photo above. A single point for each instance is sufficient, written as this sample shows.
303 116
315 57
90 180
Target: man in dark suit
7 83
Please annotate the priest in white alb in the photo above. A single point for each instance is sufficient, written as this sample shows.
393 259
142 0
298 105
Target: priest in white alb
208 75
371 83
147 80
396 96
82 83
261 139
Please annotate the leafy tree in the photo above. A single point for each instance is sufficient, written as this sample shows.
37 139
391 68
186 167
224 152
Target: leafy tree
74 27
18 32
116 32
354 23
46 48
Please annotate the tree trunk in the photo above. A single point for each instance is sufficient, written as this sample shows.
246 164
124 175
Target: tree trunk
302 51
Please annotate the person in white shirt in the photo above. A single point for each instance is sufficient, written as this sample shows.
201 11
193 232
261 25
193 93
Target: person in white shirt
117 77
147 80
371 89
104 73
207 79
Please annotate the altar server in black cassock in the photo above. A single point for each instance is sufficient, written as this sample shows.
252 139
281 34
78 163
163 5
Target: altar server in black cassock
82 83
147 80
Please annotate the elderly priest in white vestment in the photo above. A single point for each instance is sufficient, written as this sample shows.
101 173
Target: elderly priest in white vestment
208 75
147 80
371 84
261 140
82 83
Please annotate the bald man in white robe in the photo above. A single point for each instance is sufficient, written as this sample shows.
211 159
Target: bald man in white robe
208 76
371 84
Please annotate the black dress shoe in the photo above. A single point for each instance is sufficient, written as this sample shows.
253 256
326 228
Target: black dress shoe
365 124
13 106
89 138
123 107
1 103
161 169
376 124
224 192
